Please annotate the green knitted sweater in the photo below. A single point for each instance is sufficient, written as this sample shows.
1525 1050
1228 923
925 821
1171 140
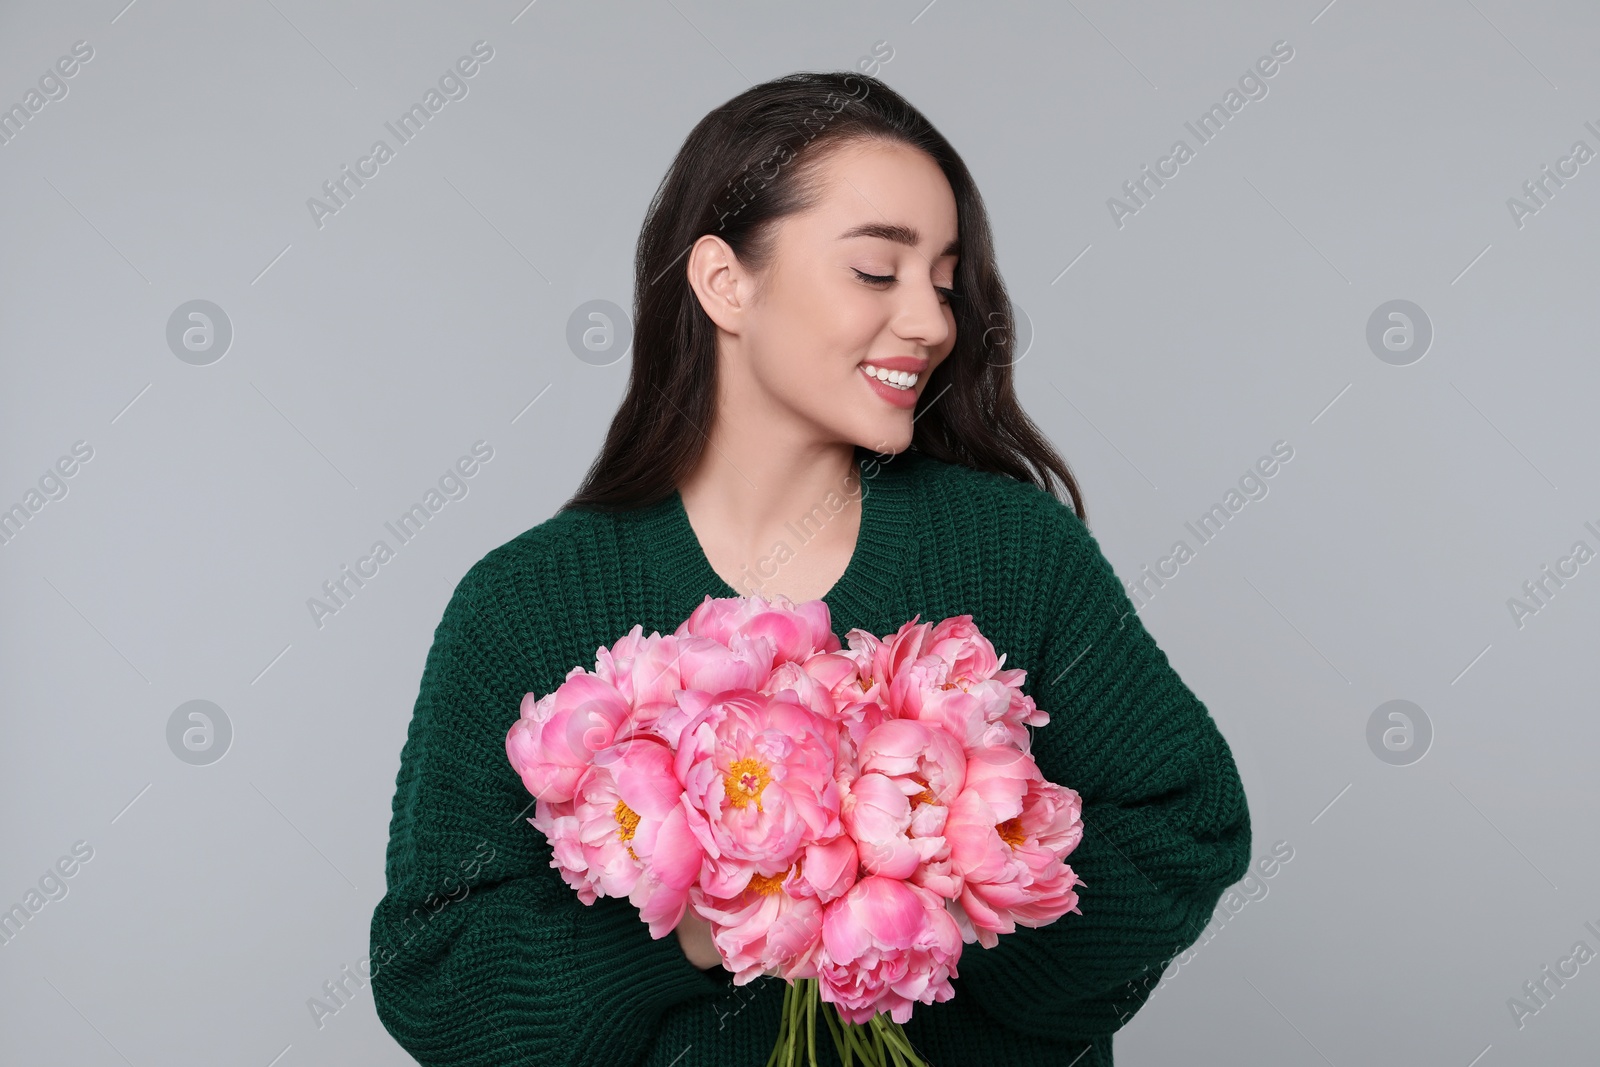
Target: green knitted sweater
482 955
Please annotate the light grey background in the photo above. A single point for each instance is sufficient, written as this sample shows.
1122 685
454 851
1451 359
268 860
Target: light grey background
1229 313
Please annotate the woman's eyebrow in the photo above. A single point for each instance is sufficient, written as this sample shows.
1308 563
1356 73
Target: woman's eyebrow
898 233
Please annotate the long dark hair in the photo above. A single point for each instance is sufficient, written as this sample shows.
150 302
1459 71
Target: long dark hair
745 166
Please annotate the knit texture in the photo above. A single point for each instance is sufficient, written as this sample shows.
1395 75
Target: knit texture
483 955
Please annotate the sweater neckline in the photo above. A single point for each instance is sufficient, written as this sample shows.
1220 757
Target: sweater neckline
885 540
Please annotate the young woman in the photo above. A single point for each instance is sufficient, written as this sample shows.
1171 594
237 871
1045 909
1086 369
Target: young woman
820 405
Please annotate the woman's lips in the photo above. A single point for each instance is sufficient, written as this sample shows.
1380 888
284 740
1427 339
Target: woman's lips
900 398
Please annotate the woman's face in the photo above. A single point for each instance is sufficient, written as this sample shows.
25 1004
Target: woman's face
857 291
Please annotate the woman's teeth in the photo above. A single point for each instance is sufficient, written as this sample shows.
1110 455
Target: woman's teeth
897 379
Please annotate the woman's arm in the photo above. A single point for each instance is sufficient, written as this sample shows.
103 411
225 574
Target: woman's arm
481 953
1166 827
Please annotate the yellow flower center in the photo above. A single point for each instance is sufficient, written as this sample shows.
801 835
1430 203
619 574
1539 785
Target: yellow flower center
1012 833
768 884
744 781
627 823
627 820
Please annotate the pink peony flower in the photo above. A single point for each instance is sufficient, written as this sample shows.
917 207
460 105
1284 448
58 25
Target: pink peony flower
896 807
1009 834
972 659
948 673
856 721
625 823
959 643
858 696
1053 814
828 869
878 815
764 929
852 673
895 654
558 823
918 753
796 631
649 671
607 822
986 713
1023 711
641 668
886 945
673 859
796 679
758 775
555 738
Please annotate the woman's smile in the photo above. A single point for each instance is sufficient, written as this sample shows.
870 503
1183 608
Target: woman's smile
895 378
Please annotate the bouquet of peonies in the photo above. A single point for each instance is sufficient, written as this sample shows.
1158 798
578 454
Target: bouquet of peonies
844 818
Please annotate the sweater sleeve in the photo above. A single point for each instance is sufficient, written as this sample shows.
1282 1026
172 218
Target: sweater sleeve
1166 827
481 954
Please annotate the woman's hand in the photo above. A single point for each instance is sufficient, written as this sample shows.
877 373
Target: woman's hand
694 934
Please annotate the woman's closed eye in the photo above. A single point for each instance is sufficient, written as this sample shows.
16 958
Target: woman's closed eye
946 295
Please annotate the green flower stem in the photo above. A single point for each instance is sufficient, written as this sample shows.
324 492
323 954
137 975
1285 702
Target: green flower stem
856 1042
879 1042
811 1021
794 999
869 1055
895 1036
896 1042
847 1051
891 1056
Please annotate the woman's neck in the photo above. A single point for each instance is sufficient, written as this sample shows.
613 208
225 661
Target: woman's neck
774 519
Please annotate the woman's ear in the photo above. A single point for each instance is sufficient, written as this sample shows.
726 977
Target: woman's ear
719 281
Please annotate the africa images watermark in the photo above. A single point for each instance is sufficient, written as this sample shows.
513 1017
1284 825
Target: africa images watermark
1252 86
1542 588
52 886
340 991
1538 190
1253 887
736 195
1252 486
52 86
1538 990
810 523
52 486
452 485
341 189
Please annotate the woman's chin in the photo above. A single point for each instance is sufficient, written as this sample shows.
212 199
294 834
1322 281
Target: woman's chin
885 434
